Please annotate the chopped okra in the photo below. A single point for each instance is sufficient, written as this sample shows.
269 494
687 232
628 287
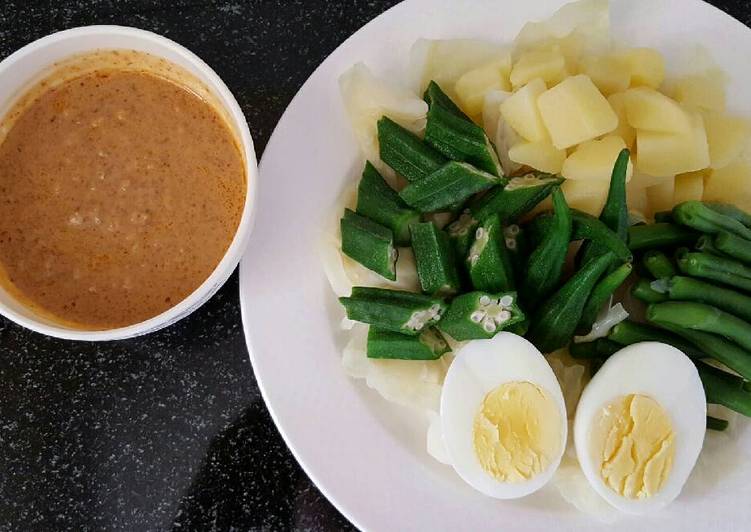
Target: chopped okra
451 183
406 153
434 256
369 243
393 310
478 315
462 232
428 345
519 196
488 261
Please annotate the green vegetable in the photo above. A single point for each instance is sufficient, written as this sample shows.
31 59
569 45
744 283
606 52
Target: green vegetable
369 243
452 182
701 317
734 246
731 211
664 217
714 423
682 288
601 294
699 216
462 232
379 202
660 235
706 244
658 264
643 291
434 256
434 95
615 212
518 249
600 348
403 151
723 391
488 261
519 196
428 345
707 266
556 320
393 310
460 139
630 332
478 315
545 264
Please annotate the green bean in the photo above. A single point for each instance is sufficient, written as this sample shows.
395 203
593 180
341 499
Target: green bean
718 424
682 288
601 295
732 211
600 348
701 317
706 244
733 246
707 266
630 332
699 216
724 391
659 235
658 264
643 291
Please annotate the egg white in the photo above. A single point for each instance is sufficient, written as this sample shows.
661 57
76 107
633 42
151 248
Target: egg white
480 367
668 376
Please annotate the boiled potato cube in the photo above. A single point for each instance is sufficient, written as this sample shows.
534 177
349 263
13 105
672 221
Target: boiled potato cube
649 109
731 184
642 180
689 186
636 197
521 112
540 155
660 197
574 111
587 196
548 65
662 154
702 91
727 137
624 130
610 73
647 67
594 159
472 86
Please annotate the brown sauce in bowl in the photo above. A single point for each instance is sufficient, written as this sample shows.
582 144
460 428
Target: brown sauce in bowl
120 192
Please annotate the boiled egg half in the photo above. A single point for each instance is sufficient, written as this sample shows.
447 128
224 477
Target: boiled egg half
640 425
503 416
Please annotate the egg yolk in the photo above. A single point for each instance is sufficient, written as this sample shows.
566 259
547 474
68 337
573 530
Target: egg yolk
517 432
634 445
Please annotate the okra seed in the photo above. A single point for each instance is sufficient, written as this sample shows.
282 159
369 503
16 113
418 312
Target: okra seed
512 230
477 316
479 233
506 301
510 243
489 325
435 310
503 317
485 300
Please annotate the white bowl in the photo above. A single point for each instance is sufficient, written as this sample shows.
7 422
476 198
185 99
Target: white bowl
19 70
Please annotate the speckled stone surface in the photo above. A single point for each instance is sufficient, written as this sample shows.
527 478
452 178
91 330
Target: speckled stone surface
169 432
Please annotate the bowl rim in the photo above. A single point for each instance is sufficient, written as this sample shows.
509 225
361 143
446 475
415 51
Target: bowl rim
234 252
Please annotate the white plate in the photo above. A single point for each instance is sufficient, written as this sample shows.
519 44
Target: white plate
365 455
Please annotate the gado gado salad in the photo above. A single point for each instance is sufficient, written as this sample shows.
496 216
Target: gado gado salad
548 252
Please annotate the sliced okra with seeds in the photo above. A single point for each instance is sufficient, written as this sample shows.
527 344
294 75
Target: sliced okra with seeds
460 139
381 203
434 95
428 345
434 256
488 261
519 196
478 315
393 310
450 184
462 232
369 243
517 246
405 152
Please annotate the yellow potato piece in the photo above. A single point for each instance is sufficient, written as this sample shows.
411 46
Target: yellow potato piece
641 180
703 91
610 73
594 159
660 197
731 184
649 109
661 154
636 197
472 86
574 111
587 196
521 111
727 136
540 155
624 130
647 67
548 65
689 186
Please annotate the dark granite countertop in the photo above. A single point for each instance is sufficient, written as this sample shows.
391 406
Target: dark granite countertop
169 431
